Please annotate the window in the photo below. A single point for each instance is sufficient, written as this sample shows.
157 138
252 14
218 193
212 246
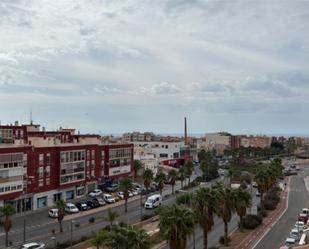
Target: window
42 202
69 195
47 171
41 159
48 159
41 182
47 181
41 172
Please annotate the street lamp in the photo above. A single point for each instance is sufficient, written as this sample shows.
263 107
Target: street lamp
71 233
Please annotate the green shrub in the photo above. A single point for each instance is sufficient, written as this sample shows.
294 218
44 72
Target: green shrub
251 221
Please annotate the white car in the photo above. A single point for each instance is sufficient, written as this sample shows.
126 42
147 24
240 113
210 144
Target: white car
153 201
300 225
121 194
71 208
96 192
305 211
109 198
53 213
135 192
295 234
290 242
32 245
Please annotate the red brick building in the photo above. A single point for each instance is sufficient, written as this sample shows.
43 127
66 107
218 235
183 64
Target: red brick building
38 167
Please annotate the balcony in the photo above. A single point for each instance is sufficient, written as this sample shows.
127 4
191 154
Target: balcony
10 179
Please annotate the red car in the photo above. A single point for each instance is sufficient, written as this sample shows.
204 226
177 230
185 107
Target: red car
303 217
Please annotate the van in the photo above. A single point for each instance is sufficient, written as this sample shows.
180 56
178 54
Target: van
290 242
153 201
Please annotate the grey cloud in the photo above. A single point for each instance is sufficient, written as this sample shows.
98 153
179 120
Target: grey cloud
165 88
264 85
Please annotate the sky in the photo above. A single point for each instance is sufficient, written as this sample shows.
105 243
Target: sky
105 66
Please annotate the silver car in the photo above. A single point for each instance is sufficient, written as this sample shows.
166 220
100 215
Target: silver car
32 245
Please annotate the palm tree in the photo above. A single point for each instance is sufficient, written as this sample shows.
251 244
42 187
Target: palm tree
205 203
242 202
182 175
7 210
137 166
128 237
172 177
189 167
125 185
160 179
61 207
100 238
148 178
226 207
111 217
176 223
262 180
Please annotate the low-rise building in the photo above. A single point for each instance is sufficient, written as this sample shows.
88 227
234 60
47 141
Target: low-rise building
37 168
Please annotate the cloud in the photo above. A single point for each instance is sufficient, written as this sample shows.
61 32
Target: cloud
165 88
214 59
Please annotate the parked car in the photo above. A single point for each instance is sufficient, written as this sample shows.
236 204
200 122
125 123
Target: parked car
96 192
300 225
134 192
71 208
92 204
112 188
32 245
254 185
136 185
100 201
109 198
53 213
258 194
305 211
82 206
121 194
290 242
116 197
153 201
303 217
295 234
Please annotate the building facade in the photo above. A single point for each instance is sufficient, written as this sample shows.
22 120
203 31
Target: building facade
37 168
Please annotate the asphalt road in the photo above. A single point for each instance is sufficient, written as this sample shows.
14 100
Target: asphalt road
298 198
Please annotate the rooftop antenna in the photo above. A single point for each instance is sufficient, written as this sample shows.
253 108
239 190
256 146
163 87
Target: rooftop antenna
31 121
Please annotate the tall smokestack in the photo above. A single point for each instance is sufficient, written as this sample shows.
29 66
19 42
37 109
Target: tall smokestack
186 135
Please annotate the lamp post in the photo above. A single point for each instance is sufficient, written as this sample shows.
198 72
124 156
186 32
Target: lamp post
71 233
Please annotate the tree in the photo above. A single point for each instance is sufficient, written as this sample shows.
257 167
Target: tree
172 177
128 237
182 175
111 217
242 200
226 207
205 203
125 185
148 178
176 223
7 210
189 167
262 180
160 179
137 166
61 212
100 238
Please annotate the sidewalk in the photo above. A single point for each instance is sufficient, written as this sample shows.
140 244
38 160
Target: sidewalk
256 235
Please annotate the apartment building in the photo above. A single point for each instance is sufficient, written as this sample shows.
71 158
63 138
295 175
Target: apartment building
39 167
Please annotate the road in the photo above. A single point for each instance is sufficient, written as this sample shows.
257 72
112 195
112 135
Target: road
298 198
